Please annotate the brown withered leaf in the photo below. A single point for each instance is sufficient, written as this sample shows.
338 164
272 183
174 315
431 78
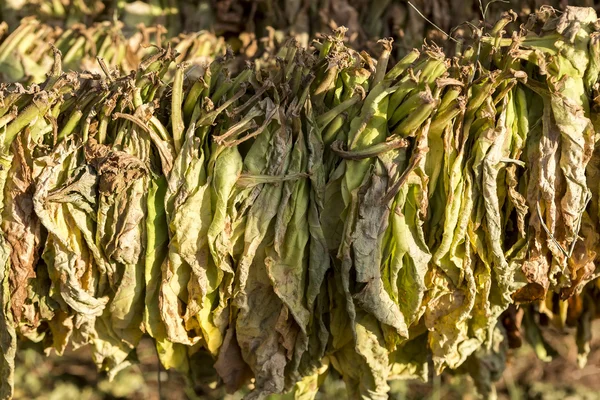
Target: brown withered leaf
582 268
533 291
230 365
536 269
20 226
117 169
288 330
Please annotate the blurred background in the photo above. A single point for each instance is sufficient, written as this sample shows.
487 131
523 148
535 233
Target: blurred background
242 22
74 376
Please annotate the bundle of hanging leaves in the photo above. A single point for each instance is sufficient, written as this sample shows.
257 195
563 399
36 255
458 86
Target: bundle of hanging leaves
318 210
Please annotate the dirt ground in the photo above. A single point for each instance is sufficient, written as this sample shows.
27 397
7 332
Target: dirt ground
74 376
